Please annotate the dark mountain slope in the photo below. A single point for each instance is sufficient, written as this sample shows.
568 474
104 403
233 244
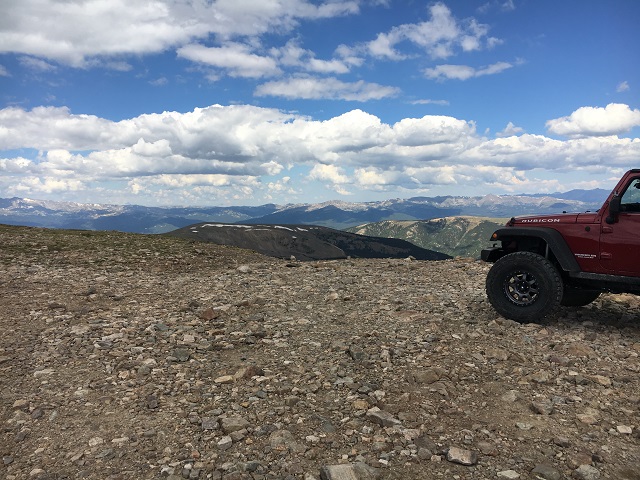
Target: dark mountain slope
304 242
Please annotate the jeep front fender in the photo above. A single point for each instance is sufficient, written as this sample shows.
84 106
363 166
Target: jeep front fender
551 237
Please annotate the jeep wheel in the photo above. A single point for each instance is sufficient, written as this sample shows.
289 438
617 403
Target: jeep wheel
524 287
575 297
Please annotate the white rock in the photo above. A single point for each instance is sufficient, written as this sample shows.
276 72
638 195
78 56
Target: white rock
95 441
461 456
508 474
625 429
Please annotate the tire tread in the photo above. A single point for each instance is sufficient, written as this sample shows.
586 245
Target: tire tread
546 273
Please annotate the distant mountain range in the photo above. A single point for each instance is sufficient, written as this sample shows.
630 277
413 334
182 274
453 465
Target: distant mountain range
304 242
125 218
337 214
455 236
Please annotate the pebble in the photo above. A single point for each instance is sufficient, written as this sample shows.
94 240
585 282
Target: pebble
562 441
382 418
21 403
209 423
625 429
488 448
462 456
545 472
284 440
511 396
427 376
524 426
587 418
586 472
233 424
511 474
181 354
152 401
357 353
95 441
580 350
601 380
542 407
356 471
225 443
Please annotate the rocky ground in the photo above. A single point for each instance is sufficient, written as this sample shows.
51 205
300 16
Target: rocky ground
135 357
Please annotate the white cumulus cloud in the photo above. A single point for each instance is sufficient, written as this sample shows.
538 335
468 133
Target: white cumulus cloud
329 173
614 119
325 88
224 152
439 37
464 72
623 87
36 64
235 58
76 32
510 130
292 55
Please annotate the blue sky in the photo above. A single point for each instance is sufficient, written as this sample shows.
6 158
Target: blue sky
238 102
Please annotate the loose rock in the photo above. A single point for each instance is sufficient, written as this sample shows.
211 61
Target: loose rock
586 472
356 471
545 472
461 456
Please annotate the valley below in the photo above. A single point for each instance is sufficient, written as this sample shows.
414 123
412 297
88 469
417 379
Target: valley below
127 356
454 236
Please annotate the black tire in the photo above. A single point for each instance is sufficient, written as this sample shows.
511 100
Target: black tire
524 287
575 297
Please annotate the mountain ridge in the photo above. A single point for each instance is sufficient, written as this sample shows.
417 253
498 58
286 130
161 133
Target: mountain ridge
337 214
304 242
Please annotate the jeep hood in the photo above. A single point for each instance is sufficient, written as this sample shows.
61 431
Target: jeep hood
550 220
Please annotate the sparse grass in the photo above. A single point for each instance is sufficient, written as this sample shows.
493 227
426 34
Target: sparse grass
31 245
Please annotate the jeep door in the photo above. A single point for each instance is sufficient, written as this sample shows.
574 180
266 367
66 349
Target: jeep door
620 241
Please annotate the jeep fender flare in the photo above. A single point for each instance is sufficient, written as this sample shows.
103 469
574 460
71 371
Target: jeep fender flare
554 240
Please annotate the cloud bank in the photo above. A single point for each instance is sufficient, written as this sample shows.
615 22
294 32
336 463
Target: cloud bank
231 152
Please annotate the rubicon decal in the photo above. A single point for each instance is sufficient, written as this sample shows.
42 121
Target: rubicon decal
585 255
540 220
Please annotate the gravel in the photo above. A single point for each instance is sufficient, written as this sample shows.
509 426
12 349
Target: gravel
133 357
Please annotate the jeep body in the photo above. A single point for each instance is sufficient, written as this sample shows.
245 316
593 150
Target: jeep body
548 260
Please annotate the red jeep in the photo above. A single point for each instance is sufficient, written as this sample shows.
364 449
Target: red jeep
569 259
